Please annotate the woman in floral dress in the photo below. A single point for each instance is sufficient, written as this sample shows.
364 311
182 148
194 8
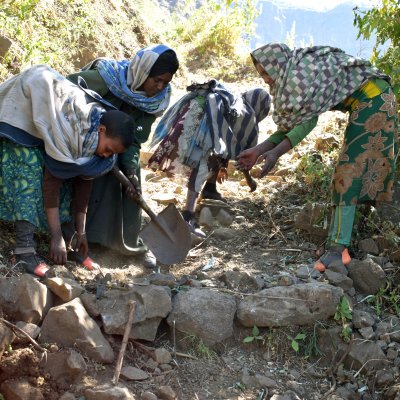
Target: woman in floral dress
306 82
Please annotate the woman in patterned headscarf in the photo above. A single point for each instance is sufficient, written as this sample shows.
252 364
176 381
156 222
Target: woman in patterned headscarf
141 88
305 83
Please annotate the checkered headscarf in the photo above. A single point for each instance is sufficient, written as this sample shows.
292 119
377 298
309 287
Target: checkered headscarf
311 80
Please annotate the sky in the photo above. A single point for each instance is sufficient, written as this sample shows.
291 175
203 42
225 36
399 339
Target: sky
325 5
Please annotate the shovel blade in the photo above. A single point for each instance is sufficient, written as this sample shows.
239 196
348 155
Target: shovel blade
170 246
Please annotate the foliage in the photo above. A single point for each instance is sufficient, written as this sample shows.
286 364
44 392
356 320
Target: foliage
294 341
200 349
66 34
344 315
215 33
316 174
387 299
384 21
255 335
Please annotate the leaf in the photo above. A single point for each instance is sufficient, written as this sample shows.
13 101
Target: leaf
248 339
300 336
255 331
295 346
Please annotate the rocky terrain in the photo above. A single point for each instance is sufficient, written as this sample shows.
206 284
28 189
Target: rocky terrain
242 317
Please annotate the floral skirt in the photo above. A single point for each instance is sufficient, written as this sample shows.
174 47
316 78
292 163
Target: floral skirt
21 178
365 172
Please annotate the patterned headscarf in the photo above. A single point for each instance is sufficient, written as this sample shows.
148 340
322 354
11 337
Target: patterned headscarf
309 81
123 78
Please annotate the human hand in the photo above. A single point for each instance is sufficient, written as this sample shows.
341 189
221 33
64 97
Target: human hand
58 250
270 158
246 159
135 190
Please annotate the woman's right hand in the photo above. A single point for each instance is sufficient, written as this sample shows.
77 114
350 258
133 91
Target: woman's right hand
247 158
58 250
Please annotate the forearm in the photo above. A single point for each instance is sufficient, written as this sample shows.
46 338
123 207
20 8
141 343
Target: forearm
261 148
53 220
282 148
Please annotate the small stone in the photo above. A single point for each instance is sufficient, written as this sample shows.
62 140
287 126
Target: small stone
162 356
149 396
206 219
224 218
134 374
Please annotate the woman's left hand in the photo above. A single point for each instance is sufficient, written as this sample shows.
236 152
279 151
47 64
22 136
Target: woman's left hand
270 158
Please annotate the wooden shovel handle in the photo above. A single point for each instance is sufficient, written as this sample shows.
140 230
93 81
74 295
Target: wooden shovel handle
138 197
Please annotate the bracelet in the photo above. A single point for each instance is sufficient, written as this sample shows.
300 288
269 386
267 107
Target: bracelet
80 234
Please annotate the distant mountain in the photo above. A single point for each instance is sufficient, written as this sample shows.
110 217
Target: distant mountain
333 28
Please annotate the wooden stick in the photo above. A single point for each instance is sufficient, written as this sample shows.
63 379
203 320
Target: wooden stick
23 333
128 326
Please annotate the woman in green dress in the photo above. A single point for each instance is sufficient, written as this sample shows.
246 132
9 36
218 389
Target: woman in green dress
54 138
305 83
141 88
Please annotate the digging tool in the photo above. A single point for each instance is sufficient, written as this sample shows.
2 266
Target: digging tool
167 235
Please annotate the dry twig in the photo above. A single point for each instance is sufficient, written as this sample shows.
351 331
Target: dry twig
128 326
23 333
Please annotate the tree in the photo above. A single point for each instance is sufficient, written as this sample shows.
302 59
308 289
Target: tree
384 21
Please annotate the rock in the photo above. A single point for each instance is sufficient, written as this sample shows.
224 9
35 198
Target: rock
31 329
362 319
206 218
309 218
25 298
162 356
224 218
7 336
109 393
148 396
367 333
368 246
301 304
20 390
5 44
78 329
206 313
307 272
339 280
239 280
166 393
368 277
66 289
134 374
165 198
224 233
153 303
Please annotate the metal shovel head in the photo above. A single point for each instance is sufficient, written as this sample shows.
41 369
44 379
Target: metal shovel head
172 244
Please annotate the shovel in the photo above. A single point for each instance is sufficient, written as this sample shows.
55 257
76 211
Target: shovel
167 235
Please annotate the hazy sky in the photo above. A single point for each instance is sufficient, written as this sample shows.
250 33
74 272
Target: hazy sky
324 5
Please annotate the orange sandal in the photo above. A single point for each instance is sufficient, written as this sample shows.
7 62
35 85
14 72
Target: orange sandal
33 264
332 255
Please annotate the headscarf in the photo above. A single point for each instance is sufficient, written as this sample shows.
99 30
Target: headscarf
66 123
229 124
311 80
123 78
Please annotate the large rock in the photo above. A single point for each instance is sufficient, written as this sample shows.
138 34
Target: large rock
300 304
69 325
368 277
25 298
153 303
205 313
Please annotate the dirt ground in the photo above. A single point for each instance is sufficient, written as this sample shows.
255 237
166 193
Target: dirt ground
265 241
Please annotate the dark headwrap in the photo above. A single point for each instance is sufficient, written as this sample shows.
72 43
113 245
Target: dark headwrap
166 62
